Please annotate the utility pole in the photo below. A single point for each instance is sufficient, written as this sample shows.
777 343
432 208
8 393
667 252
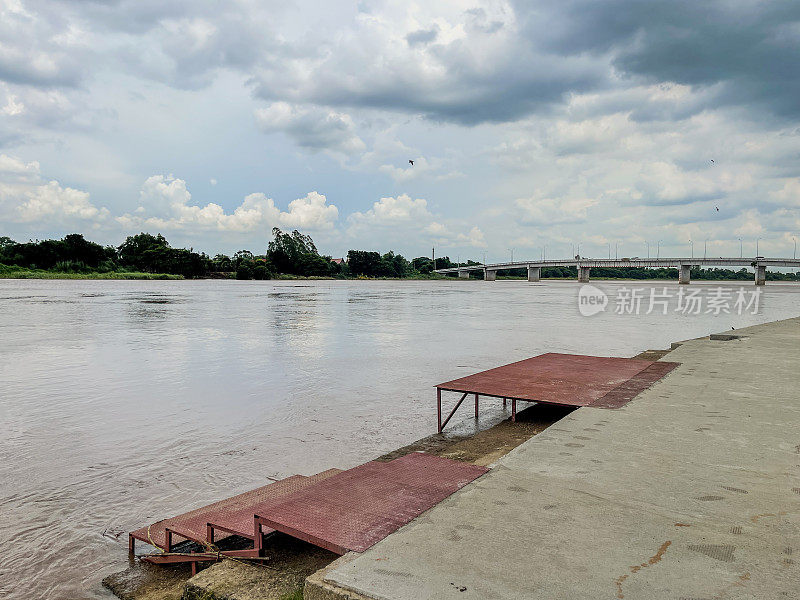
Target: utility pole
512 254
741 248
433 259
484 258
658 249
616 251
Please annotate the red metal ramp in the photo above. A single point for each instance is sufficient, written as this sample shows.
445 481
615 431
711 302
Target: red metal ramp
239 520
565 379
193 524
357 508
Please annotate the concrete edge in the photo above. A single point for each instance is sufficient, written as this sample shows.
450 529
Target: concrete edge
318 588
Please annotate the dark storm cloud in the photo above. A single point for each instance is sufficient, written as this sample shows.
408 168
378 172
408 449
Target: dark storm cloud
422 36
749 50
511 62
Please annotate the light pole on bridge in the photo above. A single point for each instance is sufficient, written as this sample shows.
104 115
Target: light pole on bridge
616 251
648 250
691 243
705 248
757 240
741 248
512 254
658 249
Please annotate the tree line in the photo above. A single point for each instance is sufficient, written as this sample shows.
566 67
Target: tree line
286 254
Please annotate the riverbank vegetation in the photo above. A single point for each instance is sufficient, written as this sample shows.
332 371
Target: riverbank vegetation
148 256
287 255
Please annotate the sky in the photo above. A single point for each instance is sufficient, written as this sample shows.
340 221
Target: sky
542 127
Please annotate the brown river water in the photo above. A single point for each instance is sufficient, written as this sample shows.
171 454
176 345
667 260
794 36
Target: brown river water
122 402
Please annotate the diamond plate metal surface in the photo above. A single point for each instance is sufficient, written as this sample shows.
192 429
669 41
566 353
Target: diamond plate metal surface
192 525
570 379
357 508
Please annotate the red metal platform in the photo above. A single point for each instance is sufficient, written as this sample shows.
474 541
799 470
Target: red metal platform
357 508
566 379
193 524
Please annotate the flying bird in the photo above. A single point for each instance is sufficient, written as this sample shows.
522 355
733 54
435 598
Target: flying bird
411 162
717 207
712 160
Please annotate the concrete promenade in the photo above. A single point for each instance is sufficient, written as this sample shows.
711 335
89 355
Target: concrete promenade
690 492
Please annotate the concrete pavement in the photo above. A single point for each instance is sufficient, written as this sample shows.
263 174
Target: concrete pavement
691 491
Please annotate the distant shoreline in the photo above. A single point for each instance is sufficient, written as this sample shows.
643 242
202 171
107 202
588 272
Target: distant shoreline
118 276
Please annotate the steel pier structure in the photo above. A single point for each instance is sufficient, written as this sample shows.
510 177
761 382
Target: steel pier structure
584 265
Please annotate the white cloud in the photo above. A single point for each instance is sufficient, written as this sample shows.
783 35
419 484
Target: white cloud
789 194
12 168
445 236
312 212
165 203
26 198
50 201
394 210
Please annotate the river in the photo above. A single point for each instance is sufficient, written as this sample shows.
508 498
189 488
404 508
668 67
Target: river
123 402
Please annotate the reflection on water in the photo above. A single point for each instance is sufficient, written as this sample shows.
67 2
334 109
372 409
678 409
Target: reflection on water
123 401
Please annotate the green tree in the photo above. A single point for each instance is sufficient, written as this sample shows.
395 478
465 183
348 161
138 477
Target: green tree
363 262
296 254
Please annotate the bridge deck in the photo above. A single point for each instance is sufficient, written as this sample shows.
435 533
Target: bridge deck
565 379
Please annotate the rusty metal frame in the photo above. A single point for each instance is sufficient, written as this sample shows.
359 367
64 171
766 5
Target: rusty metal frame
441 425
298 534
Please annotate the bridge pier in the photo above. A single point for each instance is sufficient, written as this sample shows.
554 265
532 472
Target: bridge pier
761 274
684 273
583 274
463 274
534 273
489 275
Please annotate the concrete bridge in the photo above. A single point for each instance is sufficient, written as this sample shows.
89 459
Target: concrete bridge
584 265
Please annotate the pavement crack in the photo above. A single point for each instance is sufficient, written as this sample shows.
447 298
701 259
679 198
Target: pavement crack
656 558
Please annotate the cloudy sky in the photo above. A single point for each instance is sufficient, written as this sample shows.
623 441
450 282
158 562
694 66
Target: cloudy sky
547 123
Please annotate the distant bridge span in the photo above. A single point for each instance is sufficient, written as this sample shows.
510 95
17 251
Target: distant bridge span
584 265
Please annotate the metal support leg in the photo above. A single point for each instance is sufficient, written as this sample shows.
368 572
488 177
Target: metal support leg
209 533
476 406
504 403
131 545
452 412
513 410
439 409
257 538
168 542
194 568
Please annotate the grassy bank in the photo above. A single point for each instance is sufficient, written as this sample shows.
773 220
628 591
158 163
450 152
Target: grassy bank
12 273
